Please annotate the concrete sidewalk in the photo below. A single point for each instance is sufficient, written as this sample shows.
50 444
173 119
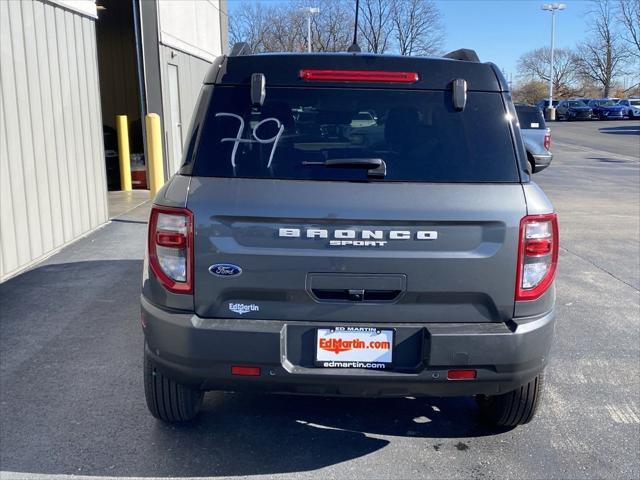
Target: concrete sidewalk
121 202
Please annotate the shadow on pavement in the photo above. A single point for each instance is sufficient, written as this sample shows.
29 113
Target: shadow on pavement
608 160
72 402
622 130
266 434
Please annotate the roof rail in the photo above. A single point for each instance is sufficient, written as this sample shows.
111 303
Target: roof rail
239 49
464 54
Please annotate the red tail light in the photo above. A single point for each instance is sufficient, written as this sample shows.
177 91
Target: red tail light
461 374
170 246
244 370
537 255
375 76
171 239
547 140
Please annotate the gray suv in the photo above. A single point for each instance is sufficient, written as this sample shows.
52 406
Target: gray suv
298 250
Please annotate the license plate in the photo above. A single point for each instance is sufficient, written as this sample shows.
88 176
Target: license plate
354 347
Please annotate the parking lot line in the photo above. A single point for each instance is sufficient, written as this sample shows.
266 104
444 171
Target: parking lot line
580 148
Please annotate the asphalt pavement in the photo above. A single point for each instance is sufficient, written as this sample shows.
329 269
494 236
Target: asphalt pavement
71 395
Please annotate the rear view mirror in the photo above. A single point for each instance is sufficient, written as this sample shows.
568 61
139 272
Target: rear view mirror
459 91
258 89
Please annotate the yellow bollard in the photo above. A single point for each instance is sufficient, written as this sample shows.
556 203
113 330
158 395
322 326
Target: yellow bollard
123 152
154 151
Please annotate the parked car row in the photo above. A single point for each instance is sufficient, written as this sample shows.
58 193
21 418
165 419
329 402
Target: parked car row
594 108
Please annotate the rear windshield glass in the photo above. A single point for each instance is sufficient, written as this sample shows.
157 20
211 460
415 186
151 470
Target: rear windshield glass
530 118
342 134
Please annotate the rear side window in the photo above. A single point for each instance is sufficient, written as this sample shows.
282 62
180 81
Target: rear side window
530 118
298 131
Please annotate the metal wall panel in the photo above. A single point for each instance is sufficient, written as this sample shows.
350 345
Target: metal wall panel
191 73
52 170
86 7
193 27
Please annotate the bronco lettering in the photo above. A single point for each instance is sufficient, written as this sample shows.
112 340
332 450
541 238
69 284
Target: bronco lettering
358 238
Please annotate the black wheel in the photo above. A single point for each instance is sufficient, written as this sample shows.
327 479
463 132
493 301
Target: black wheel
532 165
513 408
168 400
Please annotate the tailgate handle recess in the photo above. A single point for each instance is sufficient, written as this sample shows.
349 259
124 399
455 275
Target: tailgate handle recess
356 295
341 287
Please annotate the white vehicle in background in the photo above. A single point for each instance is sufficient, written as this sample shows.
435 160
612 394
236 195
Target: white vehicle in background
363 119
632 107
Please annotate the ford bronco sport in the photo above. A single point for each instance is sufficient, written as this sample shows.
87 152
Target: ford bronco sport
299 249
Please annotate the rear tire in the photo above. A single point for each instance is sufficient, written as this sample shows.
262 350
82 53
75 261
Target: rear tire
532 166
512 408
168 400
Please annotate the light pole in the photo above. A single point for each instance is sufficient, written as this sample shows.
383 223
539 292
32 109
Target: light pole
552 7
310 11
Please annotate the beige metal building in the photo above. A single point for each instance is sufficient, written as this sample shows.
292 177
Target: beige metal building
67 68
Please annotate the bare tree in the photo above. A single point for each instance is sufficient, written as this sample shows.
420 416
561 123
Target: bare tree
287 31
375 24
408 27
283 27
629 12
530 92
250 23
535 65
332 27
601 58
418 28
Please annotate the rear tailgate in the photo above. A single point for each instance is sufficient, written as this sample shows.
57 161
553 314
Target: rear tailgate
447 251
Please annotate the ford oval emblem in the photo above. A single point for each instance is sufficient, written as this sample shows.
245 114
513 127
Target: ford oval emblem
225 270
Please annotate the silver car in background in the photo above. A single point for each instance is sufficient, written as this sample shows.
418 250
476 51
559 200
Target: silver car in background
535 136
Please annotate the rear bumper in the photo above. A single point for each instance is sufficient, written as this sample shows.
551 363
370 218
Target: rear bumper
611 115
580 115
542 160
200 352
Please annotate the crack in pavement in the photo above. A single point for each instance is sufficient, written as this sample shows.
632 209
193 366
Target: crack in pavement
600 268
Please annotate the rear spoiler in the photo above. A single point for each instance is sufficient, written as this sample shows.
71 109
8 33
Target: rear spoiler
464 54
240 48
284 69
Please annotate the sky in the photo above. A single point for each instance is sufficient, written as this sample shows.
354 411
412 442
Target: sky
502 30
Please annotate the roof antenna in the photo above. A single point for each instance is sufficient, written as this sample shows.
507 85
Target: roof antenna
354 46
